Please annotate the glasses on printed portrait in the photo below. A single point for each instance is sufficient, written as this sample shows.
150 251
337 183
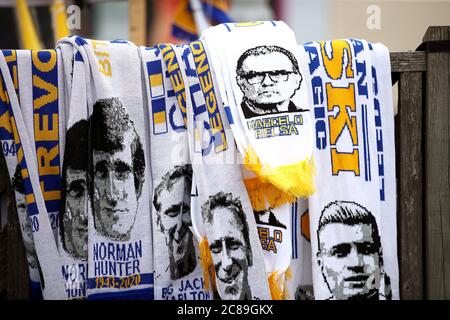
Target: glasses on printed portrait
274 76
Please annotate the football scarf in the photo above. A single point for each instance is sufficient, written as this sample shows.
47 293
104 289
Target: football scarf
178 273
299 284
43 67
14 170
260 73
119 237
385 137
75 202
353 224
222 215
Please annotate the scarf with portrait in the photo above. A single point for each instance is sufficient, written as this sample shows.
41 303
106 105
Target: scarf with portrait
221 213
259 85
178 273
262 79
353 213
31 105
119 237
75 202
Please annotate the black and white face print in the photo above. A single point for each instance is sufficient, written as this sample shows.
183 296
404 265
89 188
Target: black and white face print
268 76
75 197
172 204
25 223
351 263
229 243
118 166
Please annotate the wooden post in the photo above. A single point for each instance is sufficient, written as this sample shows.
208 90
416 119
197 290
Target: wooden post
409 184
437 164
138 21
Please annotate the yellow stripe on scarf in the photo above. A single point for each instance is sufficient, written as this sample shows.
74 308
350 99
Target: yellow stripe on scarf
296 180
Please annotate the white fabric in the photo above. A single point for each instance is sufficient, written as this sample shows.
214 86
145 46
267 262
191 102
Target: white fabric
299 286
46 249
348 261
73 220
223 215
228 43
14 170
178 273
384 124
119 241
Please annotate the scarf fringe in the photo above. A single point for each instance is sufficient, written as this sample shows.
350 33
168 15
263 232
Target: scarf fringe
209 275
296 179
264 195
277 284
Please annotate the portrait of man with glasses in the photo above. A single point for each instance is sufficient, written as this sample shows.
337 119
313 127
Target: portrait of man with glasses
268 76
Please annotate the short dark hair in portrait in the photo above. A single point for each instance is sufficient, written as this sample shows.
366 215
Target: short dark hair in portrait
109 122
352 264
118 160
76 158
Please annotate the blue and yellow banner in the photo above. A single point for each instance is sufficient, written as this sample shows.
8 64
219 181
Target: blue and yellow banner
216 11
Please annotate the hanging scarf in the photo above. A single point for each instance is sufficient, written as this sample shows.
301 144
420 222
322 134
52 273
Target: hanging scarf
178 274
75 202
385 133
14 170
353 250
299 284
45 63
222 217
119 241
260 73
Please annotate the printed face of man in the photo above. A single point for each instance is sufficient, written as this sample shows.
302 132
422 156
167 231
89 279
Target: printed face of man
115 196
175 219
75 217
229 254
27 232
268 79
350 263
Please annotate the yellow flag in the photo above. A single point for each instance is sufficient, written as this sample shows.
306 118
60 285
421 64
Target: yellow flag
59 20
27 30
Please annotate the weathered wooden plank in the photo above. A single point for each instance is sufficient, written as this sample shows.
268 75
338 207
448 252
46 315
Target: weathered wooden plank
408 61
437 162
138 21
408 138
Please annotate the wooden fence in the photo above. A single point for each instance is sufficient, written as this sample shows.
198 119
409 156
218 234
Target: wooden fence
423 179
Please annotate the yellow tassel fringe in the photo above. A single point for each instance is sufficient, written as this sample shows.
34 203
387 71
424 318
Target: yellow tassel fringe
296 180
209 275
265 195
277 284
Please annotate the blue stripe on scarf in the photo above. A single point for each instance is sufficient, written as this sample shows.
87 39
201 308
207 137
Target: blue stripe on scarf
46 126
